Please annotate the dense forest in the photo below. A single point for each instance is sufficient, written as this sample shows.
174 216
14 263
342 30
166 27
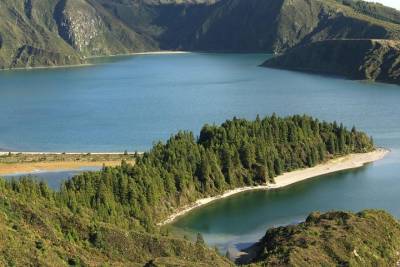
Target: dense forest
237 153
95 209
185 168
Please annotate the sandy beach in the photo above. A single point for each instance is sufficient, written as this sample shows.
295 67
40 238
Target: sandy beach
31 167
32 162
163 52
338 164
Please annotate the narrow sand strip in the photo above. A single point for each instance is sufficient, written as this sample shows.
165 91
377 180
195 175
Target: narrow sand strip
343 163
161 52
4 153
32 167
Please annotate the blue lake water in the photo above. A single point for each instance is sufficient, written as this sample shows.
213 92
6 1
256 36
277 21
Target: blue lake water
53 178
130 102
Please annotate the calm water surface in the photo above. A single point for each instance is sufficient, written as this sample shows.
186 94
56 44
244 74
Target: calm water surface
52 178
130 102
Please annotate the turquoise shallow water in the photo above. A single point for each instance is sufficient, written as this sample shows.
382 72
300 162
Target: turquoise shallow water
129 102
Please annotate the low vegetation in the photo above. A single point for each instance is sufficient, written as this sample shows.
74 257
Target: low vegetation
375 10
11 158
17 163
36 229
368 238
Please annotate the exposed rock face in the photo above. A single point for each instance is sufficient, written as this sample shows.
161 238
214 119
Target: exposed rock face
377 60
103 27
78 25
28 56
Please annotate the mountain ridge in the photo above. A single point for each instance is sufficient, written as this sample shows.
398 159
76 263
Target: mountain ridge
357 59
63 32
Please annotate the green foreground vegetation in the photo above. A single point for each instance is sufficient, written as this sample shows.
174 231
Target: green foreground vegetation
368 238
109 217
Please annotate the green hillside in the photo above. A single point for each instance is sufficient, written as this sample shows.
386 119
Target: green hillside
60 32
109 218
368 238
37 230
375 10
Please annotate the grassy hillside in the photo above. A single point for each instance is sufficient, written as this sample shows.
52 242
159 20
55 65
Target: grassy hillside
58 32
61 32
368 238
35 230
28 36
377 60
375 10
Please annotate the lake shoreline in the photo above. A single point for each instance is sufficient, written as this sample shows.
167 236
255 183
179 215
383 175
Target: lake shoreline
347 162
162 52
12 163
38 167
88 64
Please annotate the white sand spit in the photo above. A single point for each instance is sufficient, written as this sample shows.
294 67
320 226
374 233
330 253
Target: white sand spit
338 164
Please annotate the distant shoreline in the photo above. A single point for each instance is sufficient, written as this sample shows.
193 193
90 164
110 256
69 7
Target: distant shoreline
83 65
164 52
4 152
34 162
347 162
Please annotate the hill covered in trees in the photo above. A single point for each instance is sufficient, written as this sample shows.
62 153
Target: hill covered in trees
237 153
38 229
59 32
376 60
367 238
110 216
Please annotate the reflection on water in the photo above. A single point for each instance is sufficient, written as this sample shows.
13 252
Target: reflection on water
245 217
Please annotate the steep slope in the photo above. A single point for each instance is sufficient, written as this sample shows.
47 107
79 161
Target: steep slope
375 10
368 238
36 231
92 30
60 32
272 26
28 37
56 32
377 60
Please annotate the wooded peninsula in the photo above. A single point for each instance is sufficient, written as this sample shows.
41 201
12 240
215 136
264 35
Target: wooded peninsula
110 216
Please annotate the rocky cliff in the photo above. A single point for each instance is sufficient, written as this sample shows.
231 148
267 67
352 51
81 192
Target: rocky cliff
68 31
377 60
